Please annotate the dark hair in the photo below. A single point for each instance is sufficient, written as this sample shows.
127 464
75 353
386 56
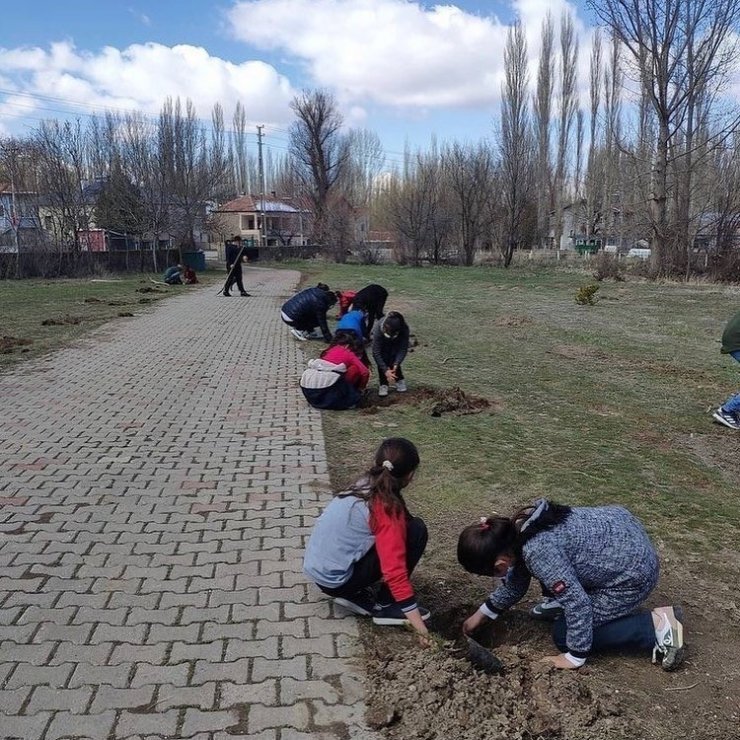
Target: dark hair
346 338
323 286
480 544
393 323
395 459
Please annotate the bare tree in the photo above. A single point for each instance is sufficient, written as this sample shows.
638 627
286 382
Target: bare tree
320 154
680 50
593 179
468 173
239 147
542 114
62 148
567 104
193 166
515 145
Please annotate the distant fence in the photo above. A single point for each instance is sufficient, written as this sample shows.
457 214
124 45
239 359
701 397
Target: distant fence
34 264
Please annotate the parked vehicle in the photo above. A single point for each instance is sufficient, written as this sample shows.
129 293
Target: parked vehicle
642 254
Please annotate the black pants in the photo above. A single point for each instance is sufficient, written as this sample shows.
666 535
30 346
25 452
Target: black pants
383 380
367 569
236 277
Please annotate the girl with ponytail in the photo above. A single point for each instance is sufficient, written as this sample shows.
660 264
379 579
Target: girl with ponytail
596 561
365 545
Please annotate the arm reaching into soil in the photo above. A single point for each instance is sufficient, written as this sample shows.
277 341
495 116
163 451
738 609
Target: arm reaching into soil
513 588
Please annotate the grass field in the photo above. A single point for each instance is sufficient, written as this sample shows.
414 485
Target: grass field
598 404
75 305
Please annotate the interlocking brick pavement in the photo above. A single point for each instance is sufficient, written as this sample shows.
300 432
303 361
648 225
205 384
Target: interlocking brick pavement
157 483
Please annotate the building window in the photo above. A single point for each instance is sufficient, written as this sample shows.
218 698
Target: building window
247 223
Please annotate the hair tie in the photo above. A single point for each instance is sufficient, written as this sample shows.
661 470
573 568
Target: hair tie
388 465
484 523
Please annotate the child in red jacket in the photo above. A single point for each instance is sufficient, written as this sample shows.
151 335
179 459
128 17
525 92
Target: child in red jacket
336 380
367 536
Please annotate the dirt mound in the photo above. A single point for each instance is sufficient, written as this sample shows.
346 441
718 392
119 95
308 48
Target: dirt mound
63 321
512 320
437 400
438 694
8 344
149 290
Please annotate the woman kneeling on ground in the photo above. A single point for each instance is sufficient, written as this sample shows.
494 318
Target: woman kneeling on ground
336 380
596 561
367 535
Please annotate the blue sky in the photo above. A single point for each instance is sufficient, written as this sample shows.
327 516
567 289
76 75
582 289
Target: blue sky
406 70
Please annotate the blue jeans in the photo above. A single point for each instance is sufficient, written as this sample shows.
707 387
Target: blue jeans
635 631
732 404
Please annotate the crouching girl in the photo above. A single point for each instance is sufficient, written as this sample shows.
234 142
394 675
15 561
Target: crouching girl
597 562
336 380
367 536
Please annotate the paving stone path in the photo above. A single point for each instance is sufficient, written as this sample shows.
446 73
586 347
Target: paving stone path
157 484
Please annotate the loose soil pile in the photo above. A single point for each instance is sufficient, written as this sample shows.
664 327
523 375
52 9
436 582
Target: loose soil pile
438 401
8 344
424 694
150 290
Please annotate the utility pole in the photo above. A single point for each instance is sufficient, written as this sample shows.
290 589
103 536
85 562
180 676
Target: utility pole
263 229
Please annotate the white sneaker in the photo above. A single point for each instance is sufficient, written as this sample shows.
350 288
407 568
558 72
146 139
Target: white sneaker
669 638
383 390
298 334
401 386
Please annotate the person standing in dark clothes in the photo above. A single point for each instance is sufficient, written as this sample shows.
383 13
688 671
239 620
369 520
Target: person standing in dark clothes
729 412
371 299
307 310
390 347
233 259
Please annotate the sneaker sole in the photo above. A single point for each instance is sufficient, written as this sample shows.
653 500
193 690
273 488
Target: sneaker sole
719 418
394 621
352 607
675 655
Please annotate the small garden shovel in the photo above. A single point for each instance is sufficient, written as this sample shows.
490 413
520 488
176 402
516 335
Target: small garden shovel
483 659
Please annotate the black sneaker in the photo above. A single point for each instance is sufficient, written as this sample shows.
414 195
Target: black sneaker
394 615
226 295
728 418
362 603
245 294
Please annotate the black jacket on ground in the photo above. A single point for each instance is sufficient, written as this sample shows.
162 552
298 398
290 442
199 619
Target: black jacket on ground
308 309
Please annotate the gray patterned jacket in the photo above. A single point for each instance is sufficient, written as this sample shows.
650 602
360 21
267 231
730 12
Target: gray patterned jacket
599 564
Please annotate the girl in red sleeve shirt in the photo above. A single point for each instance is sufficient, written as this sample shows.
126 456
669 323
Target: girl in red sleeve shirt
367 536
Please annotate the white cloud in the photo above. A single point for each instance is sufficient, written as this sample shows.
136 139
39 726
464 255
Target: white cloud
138 77
393 52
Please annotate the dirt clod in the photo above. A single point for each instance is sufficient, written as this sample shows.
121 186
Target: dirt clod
125 314
63 321
149 290
8 344
93 300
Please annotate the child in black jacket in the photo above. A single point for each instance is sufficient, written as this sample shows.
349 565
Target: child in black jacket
390 346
